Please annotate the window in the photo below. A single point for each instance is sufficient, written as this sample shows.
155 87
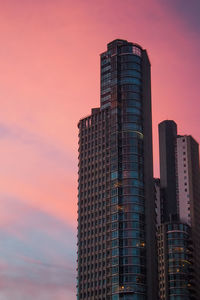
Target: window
137 51
114 175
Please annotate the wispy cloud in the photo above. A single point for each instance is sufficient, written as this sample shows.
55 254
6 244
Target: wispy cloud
38 143
37 258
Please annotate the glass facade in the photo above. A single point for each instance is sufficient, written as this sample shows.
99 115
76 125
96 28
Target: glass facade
121 183
180 262
122 84
176 262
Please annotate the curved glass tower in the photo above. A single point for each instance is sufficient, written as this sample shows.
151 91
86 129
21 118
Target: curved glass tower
177 276
130 244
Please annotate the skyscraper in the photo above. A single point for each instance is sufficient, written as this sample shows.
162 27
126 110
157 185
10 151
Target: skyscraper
188 196
116 207
167 143
178 233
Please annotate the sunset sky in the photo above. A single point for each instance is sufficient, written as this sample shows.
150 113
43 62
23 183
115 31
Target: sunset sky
49 79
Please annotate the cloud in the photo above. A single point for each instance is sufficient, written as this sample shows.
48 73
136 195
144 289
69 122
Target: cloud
42 145
38 172
36 258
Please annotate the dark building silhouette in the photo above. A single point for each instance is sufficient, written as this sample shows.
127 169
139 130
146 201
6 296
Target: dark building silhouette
116 207
178 233
167 143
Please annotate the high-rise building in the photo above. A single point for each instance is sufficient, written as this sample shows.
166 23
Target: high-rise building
175 262
116 207
178 234
167 142
188 195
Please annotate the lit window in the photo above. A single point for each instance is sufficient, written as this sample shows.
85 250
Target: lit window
137 51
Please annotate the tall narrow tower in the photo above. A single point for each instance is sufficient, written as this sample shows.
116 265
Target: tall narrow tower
116 208
188 196
178 233
167 144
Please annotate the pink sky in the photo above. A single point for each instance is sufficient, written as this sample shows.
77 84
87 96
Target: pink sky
49 79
